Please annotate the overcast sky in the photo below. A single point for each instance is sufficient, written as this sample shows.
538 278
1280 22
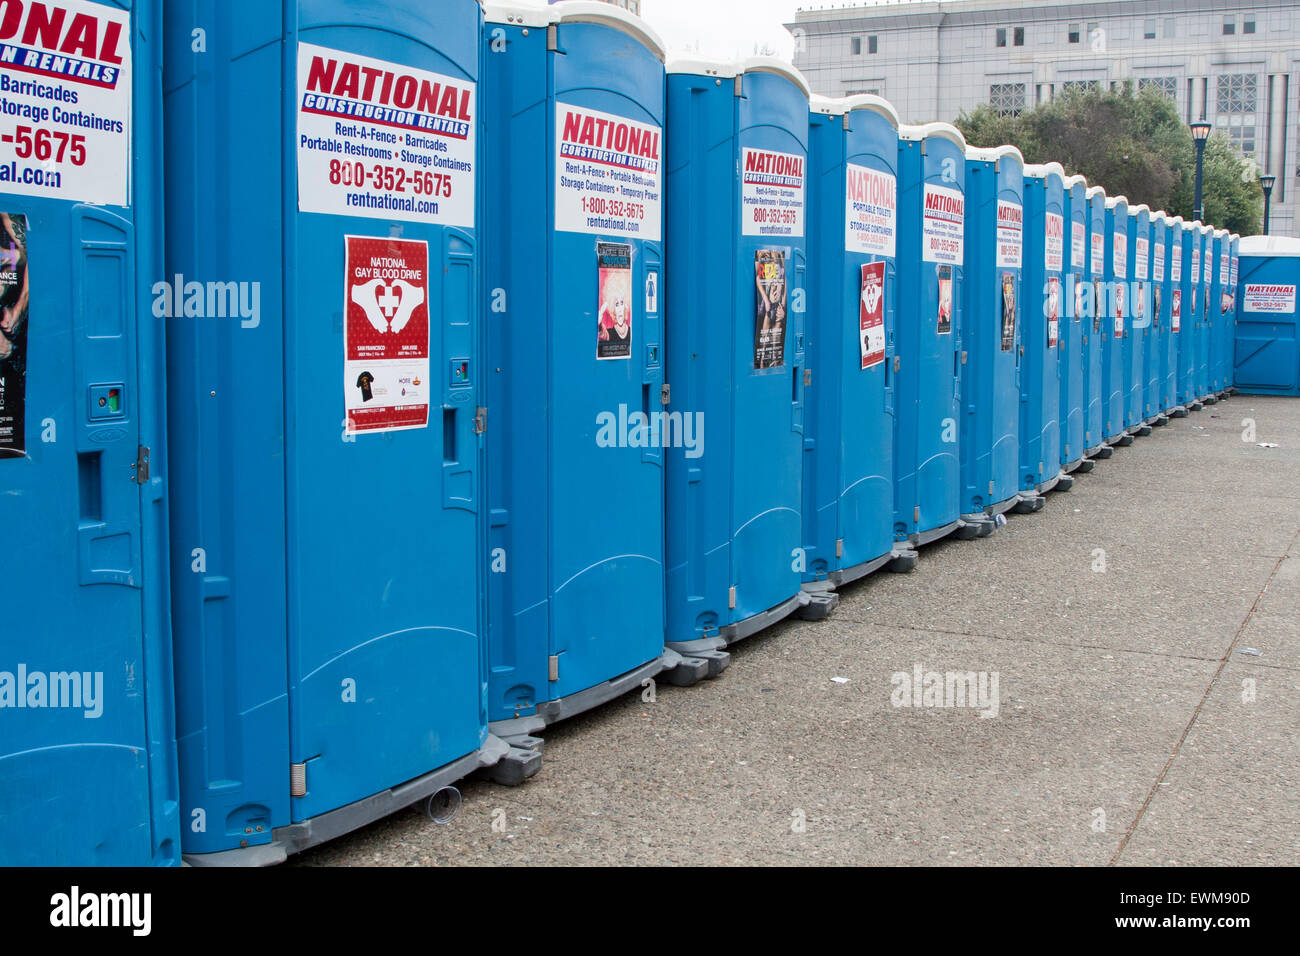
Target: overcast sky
722 28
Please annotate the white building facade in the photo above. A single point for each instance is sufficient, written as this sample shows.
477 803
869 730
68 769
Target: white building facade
1234 64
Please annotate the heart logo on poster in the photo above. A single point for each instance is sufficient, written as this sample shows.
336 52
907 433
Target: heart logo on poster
388 306
871 294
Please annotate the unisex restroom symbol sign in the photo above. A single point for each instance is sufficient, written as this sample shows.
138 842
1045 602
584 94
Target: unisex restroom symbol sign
388 306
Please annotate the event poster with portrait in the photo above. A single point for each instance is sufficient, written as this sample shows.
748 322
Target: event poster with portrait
945 299
771 304
1097 306
1008 311
871 318
1176 310
614 305
1157 292
1053 311
14 297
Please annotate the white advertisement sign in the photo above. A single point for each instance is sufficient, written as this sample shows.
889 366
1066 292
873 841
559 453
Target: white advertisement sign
1054 254
772 193
1011 235
1269 299
608 174
870 212
943 227
384 141
65 89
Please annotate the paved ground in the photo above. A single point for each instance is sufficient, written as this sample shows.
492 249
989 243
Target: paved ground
1149 712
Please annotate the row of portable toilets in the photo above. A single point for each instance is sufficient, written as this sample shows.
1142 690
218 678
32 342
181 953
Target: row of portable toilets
587 437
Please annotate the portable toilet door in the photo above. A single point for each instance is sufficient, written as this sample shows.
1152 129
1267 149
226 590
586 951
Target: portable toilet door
1158 364
1234 314
1184 324
992 311
848 485
1139 319
1074 328
87 756
328 671
574 101
1097 326
1040 390
1194 308
1267 352
1205 332
927 368
1221 295
1116 326
1177 312
1152 355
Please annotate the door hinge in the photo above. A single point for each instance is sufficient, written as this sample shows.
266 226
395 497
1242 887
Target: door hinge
553 668
665 394
963 356
898 362
990 489
141 466
297 780
740 86
552 38
807 378
480 420
731 598
839 548
916 513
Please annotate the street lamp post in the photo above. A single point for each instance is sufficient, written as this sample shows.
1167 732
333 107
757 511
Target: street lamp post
1266 183
1200 133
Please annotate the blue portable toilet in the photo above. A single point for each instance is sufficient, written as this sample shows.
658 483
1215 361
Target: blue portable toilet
1040 383
87 754
1091 302
1267 341
1139 319
1185 273
1221 297
1115 300
1075 328
328 671
1176 312
574 103
1205 330
1159 395
738 154
927 365
1152 387
992 309
848 462
1234 316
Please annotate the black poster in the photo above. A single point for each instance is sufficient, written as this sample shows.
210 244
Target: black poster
1008 311
14 297
770 309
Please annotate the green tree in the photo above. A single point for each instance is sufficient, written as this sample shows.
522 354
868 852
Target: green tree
1131 143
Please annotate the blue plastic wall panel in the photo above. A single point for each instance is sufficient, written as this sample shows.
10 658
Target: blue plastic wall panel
852 319
1075 326
1204 254
87 751
1159 396
1186 270
1044 311
574 230
1097 325
1116 323
1234 294
1220 312
1267 353
327 578
927 386
994 310
1137 297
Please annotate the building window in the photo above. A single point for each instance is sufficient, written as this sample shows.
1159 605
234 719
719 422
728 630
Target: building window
1229 26
1149 30
871 45
1236 108
1171 28
1002 36
1248 24
855 46
1074 33
1007 99
1083 86
1020 36
1168 85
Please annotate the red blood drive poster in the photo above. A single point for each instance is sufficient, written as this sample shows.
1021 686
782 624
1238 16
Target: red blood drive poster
872 314
386 380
